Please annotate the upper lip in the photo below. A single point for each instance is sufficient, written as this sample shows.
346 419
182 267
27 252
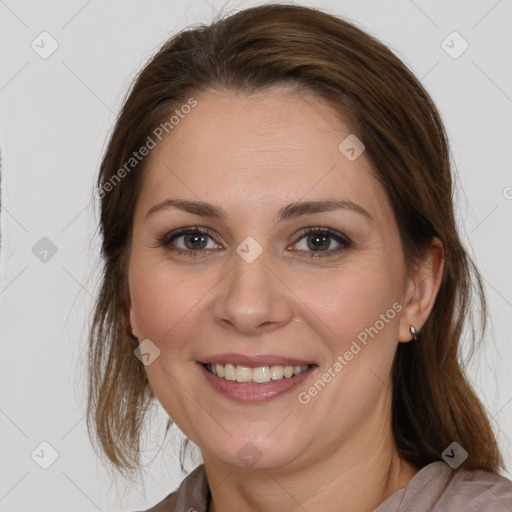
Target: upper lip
254 361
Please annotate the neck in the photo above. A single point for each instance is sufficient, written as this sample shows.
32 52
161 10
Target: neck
355 477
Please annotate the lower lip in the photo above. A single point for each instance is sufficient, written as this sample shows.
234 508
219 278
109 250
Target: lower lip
246 392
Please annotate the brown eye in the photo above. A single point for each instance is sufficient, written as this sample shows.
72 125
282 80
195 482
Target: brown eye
190 239
322 241
194 241
319 241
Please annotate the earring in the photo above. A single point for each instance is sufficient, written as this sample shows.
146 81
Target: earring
414 332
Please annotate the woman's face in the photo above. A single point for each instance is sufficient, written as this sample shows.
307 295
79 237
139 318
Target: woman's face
250 288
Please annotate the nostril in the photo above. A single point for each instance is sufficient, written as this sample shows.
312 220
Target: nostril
266 326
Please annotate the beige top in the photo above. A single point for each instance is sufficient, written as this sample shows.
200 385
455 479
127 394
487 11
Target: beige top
435 488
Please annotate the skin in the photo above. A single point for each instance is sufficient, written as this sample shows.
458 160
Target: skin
252 155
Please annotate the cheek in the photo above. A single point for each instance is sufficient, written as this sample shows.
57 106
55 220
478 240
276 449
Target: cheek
161 295
163 304
361 309
352 300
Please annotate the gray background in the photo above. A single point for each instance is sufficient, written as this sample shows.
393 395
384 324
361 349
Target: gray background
56 115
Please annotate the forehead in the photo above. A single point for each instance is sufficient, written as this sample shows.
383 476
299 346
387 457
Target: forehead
259 151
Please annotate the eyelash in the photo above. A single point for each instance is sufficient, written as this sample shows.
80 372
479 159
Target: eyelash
342 239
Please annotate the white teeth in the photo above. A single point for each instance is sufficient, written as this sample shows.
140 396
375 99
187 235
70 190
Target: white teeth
243 374
276 372
229 372
219 370
260 375
288 371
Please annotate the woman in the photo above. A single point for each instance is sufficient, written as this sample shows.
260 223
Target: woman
284 275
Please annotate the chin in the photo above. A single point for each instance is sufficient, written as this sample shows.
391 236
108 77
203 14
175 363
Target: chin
258 452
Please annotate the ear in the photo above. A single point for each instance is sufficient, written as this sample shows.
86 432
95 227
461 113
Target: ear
421 290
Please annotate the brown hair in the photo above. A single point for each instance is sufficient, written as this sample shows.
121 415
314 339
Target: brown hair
388 109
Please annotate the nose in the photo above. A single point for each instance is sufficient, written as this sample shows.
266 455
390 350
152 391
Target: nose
253 298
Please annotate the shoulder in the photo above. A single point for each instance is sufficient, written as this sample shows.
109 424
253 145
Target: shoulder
192 494
439 488
480 490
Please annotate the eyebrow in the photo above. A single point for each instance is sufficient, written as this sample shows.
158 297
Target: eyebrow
292 210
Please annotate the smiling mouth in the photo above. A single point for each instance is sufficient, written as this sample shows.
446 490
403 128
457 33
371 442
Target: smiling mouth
257 375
